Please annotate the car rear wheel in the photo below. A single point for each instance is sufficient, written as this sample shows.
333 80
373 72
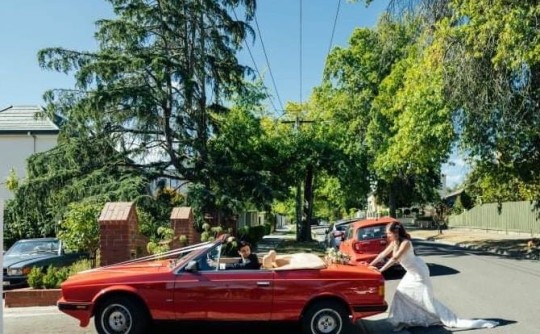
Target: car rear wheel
121 315
327 317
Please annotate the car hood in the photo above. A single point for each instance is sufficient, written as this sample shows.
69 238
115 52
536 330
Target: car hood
117 272
24 260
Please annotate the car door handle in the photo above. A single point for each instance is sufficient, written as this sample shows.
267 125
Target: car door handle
263 283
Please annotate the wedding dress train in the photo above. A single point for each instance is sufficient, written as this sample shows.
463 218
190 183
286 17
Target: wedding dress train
414 303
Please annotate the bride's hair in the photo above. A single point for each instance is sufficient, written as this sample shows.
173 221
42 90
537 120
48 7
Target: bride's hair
400 229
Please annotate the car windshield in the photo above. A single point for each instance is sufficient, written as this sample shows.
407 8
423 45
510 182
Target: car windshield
30 247
371 232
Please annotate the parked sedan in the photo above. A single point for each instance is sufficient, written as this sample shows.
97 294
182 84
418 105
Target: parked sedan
180 285
365 239
25 254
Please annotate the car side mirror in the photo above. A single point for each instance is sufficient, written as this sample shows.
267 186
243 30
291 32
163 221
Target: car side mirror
192 266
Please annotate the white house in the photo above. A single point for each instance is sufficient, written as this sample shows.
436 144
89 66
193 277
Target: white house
22 133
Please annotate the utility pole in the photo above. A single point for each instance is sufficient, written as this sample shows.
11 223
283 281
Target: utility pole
303 208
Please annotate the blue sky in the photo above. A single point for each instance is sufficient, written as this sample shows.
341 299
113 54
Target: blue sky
30 25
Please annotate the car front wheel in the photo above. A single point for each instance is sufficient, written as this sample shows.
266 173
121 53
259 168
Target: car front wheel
326 318
121 315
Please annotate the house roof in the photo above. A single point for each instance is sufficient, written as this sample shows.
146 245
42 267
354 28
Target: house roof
453 194
24 119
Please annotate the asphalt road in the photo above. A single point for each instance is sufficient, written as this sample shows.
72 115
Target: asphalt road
476 285
472 284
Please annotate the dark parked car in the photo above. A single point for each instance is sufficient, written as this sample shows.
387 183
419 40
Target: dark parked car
25 254
336 234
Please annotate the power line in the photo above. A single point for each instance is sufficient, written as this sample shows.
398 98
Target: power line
257 69
268 63
334 27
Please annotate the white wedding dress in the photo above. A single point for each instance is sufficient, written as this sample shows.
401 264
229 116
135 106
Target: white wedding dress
414 303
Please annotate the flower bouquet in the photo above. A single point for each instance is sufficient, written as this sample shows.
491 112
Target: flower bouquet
334 256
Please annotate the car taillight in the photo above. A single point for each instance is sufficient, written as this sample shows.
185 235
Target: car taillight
381 290
358 246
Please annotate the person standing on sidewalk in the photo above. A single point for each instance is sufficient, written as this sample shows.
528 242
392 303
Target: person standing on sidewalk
414 303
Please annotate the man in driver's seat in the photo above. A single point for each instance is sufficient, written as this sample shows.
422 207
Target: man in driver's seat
248 260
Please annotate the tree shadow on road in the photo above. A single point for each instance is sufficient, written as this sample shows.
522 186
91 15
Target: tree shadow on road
518 249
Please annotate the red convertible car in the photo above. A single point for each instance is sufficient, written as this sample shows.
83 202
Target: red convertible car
128 297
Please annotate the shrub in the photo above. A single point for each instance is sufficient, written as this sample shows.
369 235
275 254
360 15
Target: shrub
54 276
35 278
252 234
50 279
79 266
79 231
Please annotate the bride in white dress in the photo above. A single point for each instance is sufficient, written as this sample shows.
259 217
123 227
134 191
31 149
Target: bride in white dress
414 303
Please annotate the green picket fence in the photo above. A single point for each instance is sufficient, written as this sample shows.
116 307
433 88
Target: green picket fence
522 217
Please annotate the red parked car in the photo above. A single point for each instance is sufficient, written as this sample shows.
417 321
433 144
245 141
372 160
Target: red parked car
365 239
127 298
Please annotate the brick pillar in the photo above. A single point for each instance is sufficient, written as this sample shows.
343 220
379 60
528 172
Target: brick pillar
182 224
119 233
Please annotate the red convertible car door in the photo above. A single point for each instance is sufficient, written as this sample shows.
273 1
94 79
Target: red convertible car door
224 295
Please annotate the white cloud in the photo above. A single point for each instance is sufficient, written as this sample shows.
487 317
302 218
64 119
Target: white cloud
455 170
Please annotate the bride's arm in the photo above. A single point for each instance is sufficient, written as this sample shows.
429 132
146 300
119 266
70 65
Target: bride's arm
403 247
383 254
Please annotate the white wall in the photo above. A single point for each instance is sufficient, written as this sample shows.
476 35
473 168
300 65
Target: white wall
14 150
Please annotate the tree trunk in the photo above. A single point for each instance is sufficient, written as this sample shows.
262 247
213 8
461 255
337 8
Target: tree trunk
298 212
392 199
308 204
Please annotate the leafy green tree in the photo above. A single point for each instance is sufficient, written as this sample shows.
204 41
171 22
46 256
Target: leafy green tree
79 230
77 169
492 71
490 81
386 87
162 69
246 166
411 132
486 185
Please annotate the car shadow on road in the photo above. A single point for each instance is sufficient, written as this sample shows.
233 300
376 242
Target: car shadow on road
434 270
200 327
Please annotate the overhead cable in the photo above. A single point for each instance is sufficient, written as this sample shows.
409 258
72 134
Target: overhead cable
268 62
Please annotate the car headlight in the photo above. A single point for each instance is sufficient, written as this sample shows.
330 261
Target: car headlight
18 271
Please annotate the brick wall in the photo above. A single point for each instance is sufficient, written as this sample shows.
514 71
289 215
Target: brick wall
119 233
182 224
